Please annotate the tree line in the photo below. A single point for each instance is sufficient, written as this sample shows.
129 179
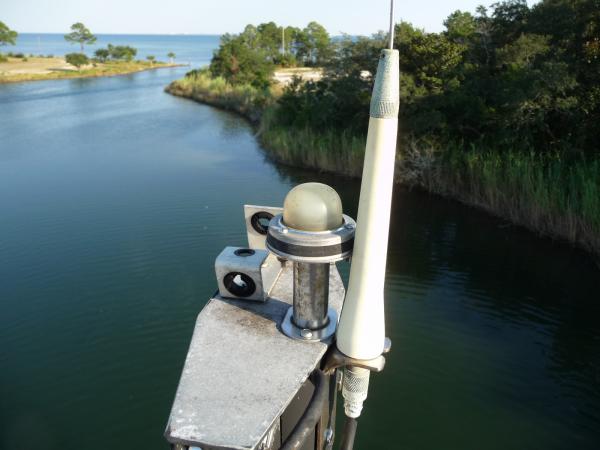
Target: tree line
508 77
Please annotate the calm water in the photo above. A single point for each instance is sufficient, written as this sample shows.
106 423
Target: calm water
115 199
195 50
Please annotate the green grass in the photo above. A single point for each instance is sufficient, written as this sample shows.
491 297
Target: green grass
545 193
331 151
243 99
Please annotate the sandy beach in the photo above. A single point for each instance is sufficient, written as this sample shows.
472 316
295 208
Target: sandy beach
34 65
40 68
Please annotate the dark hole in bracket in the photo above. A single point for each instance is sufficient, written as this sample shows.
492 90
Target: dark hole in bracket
260 221
239 284
243 252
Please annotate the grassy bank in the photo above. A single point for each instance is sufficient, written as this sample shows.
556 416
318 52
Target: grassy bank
245 100
40 68
546 194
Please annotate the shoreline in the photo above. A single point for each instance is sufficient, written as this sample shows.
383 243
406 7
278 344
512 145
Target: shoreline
415 168
43 69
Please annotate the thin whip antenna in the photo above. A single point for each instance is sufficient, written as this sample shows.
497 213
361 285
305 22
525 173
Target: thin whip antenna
391 24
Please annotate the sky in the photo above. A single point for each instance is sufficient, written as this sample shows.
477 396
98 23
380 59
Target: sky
356 17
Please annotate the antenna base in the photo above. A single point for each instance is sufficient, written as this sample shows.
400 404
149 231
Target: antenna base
290 329
336 359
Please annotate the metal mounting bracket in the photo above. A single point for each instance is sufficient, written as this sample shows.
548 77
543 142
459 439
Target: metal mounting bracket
334 359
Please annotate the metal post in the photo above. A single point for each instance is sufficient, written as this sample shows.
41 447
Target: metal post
311 295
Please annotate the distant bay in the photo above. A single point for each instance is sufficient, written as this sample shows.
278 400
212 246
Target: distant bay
195 50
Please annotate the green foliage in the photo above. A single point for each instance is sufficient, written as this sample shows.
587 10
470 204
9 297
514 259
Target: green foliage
511 77
80 35
251 56
102 54
3 58
77 59
245 99
7 36
326 105
313 45
151 58
240 60
121 52
171 57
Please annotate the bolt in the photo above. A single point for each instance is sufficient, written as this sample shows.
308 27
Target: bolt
306 333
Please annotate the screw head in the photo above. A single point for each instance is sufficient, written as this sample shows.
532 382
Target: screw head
306 333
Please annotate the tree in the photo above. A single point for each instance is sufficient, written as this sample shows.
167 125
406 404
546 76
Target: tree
102 54
77 59
122 52
151 58
460 27
7 36
314 44
240 63
80 35
171 57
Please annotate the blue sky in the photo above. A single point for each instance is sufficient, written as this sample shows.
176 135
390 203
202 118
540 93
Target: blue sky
220 16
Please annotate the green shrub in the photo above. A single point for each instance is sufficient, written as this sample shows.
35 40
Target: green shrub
122 52
77 59
102 54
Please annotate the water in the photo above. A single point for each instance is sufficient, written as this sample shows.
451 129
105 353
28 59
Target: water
117 197
195 50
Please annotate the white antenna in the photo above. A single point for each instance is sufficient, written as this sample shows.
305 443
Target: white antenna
391 24
361 331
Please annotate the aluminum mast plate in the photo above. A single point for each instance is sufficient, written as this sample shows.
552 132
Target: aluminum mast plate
241 371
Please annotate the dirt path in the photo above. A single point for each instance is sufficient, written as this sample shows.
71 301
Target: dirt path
285 76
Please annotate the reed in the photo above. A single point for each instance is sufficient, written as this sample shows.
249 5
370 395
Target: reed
543 192
244 99
329 151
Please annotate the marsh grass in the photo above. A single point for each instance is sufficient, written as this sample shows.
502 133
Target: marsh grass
246 100
330 151
545 193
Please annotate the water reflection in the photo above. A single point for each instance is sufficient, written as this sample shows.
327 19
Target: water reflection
490 323
117 197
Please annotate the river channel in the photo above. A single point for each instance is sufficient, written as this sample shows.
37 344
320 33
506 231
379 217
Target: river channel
115 198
